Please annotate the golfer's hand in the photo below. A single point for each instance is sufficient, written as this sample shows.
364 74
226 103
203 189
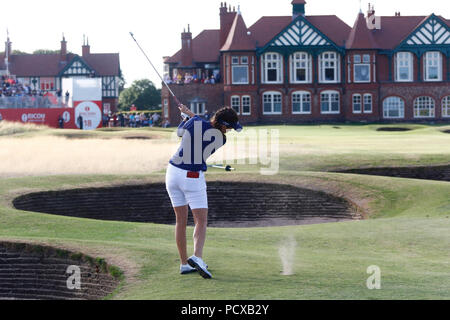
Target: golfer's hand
186 110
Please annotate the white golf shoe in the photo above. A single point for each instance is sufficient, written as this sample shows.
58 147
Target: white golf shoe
186 269
200 266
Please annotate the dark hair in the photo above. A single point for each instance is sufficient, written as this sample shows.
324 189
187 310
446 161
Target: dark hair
225 114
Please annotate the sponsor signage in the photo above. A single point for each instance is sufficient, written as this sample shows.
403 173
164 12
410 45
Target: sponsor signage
90 112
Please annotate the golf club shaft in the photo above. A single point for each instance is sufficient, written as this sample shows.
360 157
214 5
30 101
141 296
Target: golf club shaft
171 92
227 168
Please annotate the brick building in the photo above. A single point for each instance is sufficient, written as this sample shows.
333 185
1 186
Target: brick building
45 72
300 68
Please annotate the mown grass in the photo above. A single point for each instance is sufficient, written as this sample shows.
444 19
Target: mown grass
406 233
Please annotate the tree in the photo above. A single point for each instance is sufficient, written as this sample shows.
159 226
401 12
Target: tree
142 93
19 52
45 51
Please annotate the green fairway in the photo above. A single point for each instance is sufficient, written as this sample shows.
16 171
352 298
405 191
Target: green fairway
405 231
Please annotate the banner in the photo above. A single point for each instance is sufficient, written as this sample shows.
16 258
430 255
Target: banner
88 112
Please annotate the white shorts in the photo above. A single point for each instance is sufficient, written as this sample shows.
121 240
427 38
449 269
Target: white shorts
186 191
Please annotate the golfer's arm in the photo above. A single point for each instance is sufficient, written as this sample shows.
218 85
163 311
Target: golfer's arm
189 113
181 130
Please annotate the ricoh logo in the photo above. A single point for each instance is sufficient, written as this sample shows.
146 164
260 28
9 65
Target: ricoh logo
33 117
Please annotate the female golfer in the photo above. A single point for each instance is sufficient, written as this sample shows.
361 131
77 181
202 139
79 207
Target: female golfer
185 179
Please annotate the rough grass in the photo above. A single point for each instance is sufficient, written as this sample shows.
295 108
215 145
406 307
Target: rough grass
14 128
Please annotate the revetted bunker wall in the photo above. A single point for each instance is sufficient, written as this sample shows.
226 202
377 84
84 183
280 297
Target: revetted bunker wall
36 272
441 173
231 204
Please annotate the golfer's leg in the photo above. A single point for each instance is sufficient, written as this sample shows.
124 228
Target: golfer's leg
201 222
180 232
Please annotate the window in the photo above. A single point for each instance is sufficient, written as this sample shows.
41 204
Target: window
246 105
329 102
368 103
301 102
272 103
446 107
362 68
357 103
393 107
329 67
424 107
272 66
433 66
236 104
404 69
357 58
240 70
198 108
300 67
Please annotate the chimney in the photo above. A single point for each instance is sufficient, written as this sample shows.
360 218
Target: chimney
8 50
371 11
226 21
63 51
187 53
298 8
373 22
86 48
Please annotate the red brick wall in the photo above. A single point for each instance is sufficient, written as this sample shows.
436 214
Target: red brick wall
218 95
113 102
211 93
409 92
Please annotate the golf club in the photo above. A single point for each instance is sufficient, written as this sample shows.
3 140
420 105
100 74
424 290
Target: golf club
171 92
227 168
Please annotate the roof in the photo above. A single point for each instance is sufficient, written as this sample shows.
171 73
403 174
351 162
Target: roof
298 2
206 39
50 65
395 29
238 38
266 28
360 36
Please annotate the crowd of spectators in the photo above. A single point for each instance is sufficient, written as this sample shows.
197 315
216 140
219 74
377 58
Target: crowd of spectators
193 78
132 120
14 94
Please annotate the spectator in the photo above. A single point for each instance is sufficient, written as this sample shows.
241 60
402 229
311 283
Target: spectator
166 124
1 118
67 98
80 122
121 120
59 96
155 118
137 118
105 120
61 122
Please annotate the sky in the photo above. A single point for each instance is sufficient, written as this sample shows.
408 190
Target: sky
157 25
